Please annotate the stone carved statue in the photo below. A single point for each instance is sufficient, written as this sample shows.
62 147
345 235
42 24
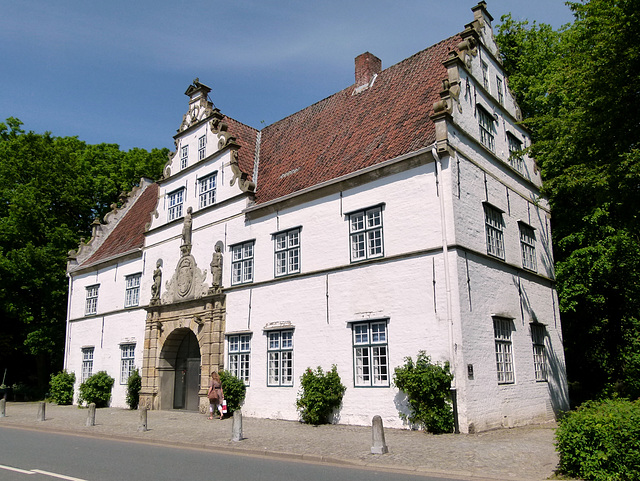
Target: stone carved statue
216 268
157 282
186 228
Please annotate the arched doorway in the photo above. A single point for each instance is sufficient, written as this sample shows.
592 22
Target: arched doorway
181 354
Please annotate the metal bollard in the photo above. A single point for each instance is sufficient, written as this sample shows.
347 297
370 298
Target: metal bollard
91 415
236 427
41 411
377 434
142 426
3 408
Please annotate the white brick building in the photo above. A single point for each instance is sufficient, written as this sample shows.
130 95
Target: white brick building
386 219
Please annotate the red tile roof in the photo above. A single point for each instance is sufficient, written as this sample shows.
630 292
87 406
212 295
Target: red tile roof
128 234
246 137
347 132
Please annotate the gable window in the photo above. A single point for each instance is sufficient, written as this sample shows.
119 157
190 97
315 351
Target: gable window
485 75
515 152
370 355
87 363
242 263
487 129
127 361
239 349
207 190
202 147
176 200
280 358
365 231
539 353
287 252
132 290
91 303
504 356
184 157
494 227
499 90
528 247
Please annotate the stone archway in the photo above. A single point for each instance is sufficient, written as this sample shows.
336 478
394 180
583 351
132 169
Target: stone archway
179 370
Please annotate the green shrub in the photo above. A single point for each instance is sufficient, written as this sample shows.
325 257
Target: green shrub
61 387
320 394
234 390
134 384
96 389
428 390
600 441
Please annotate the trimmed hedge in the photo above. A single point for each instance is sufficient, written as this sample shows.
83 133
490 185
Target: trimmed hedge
234 390
61 387
600 441
96 389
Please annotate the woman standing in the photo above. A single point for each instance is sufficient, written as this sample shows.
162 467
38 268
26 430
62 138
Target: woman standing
216 396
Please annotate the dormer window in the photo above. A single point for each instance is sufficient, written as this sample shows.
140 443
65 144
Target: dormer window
202 147
184 157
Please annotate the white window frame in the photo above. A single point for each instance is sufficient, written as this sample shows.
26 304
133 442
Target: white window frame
494 226
515 152
202 147
239 356
538 334
502 329
280 358
175 204
366 238
242 263
528 247
370 353
485 74
127 361
91 302
487 124
500 90
184 157
87 363
287 252
132 290
207 190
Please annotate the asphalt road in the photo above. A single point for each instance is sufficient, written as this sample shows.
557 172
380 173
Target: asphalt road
30 455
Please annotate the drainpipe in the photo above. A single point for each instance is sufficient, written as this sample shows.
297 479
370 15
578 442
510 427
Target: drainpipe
447 280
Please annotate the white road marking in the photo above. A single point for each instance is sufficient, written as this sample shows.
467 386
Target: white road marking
9 468
59 476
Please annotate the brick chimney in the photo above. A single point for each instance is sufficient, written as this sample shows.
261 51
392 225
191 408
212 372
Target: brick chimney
367 65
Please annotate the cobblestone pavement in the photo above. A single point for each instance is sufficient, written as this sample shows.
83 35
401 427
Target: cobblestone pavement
525 453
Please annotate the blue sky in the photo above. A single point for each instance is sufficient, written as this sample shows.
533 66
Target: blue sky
115 71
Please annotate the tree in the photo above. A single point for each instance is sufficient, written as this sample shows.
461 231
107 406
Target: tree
51 189
584 118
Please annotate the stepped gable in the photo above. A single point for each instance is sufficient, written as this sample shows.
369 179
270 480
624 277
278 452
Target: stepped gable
128 234
355 128
245 137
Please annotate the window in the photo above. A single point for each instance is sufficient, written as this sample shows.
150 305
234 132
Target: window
176 199
287 252
207 190
504 355
91 305
242 263
184 157
500 91
487 129
202 147
127 361
87 363
539 353
132 290
515 152
485 75
365 230
280 351
370 356
528 247
239 356
494 227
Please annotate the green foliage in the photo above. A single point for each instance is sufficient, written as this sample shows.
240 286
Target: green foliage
580 95
320 394
134 384
428 390
61 387
51 189
234 390
600 441
96 389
